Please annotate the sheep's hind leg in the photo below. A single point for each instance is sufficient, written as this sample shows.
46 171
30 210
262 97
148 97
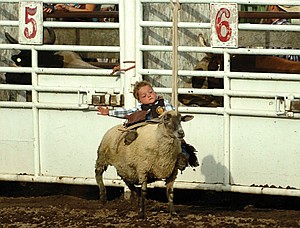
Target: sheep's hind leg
141 195
100 168
133 192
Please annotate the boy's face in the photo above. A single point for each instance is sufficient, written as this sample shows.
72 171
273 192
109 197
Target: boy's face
146 95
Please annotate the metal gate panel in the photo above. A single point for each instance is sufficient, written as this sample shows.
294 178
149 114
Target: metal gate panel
99 81
205 132
16 141
265 151
263 95
76 89
253 104
66 130
283 86
69 141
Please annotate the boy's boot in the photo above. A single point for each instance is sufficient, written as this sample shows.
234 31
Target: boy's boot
182 162
191 155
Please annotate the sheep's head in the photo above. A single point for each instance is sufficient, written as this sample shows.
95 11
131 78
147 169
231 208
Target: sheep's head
172 122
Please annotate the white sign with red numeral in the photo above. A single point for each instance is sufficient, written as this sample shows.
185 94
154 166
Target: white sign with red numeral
30 23
224 25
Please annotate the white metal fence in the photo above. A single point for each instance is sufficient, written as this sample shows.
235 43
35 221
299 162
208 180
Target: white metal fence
250 144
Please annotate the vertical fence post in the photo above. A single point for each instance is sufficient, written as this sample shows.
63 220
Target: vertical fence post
176 8
35 115
127 20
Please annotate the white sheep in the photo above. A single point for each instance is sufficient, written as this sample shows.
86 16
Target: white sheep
151 156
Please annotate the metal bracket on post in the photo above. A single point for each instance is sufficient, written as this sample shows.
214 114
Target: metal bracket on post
279 100
292 105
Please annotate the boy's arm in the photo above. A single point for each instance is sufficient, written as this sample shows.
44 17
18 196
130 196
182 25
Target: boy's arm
119 112
122 112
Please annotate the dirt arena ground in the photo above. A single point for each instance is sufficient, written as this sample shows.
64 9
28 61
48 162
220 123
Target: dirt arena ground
44 205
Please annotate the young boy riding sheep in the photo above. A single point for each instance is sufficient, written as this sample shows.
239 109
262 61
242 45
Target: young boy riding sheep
150 106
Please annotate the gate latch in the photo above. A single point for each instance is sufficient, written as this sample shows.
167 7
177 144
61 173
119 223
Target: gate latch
291 105
108 99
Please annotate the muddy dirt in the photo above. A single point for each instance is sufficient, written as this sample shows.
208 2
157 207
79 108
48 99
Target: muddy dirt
54 205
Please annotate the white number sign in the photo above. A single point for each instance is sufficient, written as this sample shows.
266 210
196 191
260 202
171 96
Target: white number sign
224 22
30 23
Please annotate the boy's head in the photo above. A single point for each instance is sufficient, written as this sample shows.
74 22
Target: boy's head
144 92
273 8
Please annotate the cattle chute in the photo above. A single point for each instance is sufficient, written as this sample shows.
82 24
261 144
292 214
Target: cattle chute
242 144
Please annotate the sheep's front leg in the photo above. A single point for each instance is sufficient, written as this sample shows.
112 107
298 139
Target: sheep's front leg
170 196
142 200
170 191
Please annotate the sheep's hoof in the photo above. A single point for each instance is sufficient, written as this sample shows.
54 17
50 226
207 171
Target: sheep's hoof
103 201
173 213
141 215
172 210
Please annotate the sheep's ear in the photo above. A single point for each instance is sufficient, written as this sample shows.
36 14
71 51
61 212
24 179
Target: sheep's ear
167 117
187 118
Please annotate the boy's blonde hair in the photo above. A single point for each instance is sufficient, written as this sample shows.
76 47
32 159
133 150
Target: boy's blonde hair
137 87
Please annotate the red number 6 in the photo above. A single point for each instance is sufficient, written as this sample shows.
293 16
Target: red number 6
30 12
219 23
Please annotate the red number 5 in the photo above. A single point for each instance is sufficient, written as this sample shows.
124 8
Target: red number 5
219 23
30 12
